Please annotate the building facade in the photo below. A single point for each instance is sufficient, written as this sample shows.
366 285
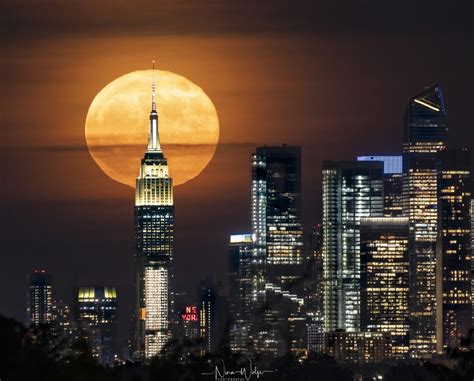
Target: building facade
425 134
384 279
454 248
208 325
472 256
189 318
40 298
276 211
154 231
351 190
358 347
392 183
314 292
240 292
97 316
278 231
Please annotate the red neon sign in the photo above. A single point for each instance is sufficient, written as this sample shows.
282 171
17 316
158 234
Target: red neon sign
190 313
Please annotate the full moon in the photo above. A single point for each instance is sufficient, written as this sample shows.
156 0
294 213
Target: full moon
117 125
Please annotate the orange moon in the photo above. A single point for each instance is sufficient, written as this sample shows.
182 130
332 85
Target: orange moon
117 125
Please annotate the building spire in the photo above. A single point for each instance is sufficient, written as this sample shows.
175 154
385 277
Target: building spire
153 89
153 137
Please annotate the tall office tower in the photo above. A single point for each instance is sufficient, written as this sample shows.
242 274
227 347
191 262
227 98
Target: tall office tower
425 134
392 183
314 291
454 248
384 279
472 256
39 298
351 190
208 315
154 227
240 291
277 227
97 314
276 211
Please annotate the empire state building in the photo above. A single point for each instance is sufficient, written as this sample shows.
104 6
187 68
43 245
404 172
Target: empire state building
154 229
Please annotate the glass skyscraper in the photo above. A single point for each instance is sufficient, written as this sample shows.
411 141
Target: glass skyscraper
314 292
425 134
240 291
154 229
40 298
392 183
351 190
454 248
276 211
278 231
384 279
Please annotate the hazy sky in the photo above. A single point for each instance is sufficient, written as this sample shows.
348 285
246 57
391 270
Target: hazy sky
332 78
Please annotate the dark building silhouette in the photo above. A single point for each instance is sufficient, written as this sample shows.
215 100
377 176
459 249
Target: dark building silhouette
214 319
314 292
454 247
472 250
40 298
97 317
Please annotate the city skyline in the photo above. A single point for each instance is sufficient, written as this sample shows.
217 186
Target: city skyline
336 210
346 88
395 242
391 163
429 175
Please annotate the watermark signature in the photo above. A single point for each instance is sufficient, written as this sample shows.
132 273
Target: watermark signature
220 373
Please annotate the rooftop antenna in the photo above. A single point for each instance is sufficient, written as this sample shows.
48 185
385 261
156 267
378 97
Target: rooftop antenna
153 90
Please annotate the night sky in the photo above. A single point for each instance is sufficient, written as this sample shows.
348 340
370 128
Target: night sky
332 78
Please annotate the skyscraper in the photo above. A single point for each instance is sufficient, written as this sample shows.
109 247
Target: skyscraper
240 291
39 298
472 255
208 316
314 292
276 211
425 134
351 190
384 279
277 227
392 183
97 313
154 227
454 248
